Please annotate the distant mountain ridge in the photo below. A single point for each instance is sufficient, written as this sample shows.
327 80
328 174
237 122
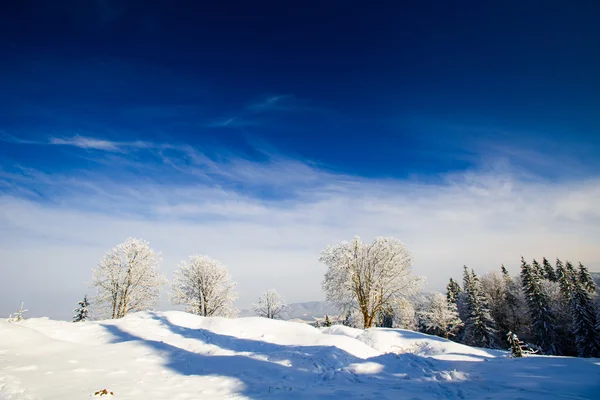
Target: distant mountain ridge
306 311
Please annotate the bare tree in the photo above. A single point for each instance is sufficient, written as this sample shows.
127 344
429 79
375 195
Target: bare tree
368 277
205 287
127 279
270 305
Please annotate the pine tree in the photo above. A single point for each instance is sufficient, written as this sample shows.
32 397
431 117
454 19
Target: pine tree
515 345
537 269
452 291
347 319
549 271
585 279
564 280
327 322
480 329
585 321
538 302
81 312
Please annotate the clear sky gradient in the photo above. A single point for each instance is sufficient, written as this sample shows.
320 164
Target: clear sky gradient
259 132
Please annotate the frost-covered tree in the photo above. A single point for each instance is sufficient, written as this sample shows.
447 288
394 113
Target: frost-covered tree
563 277
585 321
368 276
127 279
452 291
81 312
440 316
204 286
480 329
270 305
538 301
549 272
585 279
495 287
516 305
327 322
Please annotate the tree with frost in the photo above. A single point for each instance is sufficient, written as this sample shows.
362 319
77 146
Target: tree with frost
127 279
18 316
205 287
440 316
452 291
585 321
270 305
480 329
81 312
368 277
564 280
585 279
327 322
514 300
549 272
542 316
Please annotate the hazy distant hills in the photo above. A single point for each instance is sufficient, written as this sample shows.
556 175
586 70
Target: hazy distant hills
306 311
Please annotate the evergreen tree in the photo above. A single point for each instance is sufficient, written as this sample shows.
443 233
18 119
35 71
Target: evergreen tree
585 321
347 319
480 329
327 322
81 312
564 280
537 269
515 345
585 279
452 291
548 271
538 302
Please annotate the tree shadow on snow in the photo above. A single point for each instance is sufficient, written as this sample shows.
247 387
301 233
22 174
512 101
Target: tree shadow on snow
293 371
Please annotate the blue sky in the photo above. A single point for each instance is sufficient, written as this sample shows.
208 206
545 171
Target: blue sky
259 132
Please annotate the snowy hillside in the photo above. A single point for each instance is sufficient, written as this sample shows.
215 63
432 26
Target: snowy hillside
174 355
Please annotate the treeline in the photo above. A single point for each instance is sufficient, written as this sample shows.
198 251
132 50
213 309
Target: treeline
551 308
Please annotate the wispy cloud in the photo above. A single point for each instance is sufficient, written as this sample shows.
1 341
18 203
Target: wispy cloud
268 218
88 143
253 114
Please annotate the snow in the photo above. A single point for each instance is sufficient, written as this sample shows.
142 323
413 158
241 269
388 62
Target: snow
175 355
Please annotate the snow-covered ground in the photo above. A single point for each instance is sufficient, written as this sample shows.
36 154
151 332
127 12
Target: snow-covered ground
174 355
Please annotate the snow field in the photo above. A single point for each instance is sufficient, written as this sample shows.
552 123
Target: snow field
175 355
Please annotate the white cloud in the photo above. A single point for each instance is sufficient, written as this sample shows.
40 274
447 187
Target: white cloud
480 218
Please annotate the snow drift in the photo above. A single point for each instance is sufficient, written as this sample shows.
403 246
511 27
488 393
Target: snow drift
176 355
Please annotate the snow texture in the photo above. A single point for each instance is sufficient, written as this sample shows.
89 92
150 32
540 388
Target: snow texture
175 355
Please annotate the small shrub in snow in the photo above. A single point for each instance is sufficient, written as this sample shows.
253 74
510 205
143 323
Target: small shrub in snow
81 312
18 317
